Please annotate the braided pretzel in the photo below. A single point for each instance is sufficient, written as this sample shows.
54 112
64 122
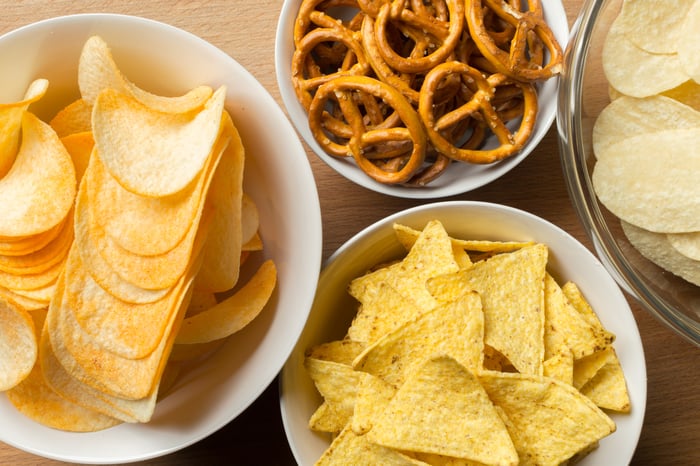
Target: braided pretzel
523 60
479 107
409 137
434 39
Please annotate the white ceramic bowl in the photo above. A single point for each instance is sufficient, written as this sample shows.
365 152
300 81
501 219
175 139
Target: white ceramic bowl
459 177
164 59
334 308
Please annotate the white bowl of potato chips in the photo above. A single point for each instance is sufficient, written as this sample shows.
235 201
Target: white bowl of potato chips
460 332
629 124
159 252
415 131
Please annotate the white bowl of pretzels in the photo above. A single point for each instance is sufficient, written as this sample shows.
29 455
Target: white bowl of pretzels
420 100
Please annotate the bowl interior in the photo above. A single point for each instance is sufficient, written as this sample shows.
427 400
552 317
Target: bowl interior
460 177
582 96
333 310
170 61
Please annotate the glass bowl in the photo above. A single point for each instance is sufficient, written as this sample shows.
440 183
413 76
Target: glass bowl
583 94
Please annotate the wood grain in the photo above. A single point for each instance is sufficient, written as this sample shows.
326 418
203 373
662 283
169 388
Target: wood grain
245 29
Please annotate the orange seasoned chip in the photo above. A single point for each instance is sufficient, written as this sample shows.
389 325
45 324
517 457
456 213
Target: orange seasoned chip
18 344
76 117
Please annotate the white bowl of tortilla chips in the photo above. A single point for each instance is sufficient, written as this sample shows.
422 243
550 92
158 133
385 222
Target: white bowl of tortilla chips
456 330
629 121
183 152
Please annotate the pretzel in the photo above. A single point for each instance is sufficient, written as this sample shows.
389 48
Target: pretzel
434 39
478 106
523 59
410 139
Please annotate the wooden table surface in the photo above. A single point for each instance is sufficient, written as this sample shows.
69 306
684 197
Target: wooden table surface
245 29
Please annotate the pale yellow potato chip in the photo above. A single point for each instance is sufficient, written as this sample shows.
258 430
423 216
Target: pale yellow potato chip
76 117
431 255
608 388
11 115
18 344
687 244
630 116
454 328
652 26
689 45
97 70
511 287
650 181
548 421
38 190
434 408
190 352
222 251
233 313
657 248
152 153
349 448
200 301
636 72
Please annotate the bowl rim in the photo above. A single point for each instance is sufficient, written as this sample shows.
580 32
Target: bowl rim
579 184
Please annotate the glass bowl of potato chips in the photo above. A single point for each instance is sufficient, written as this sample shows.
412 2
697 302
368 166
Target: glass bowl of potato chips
159 253
450 332
629 126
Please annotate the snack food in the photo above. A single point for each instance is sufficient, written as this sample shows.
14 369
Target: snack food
132 225
648 134
399 45
424 359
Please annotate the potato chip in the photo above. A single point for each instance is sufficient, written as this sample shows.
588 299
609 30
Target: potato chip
431 255
651 26
222 251
152 153
349 448
454 328
18 345
629 116
39 189
687 93
11 115
79 146
687 244
76 117
636 72
548 421
98 71
655 193
511 287
689 45
233 313
657 248
442 409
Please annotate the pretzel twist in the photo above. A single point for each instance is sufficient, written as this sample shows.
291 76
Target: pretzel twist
478 107
409 138
524 58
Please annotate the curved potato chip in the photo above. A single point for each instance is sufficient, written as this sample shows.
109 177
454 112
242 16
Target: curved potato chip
76 117
29 244
629 116
18 344
38 191
651 26
634 71
687 244
11 121
222 251
153 153
233 313
31 281
688 47
79 145
97 71
651 181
